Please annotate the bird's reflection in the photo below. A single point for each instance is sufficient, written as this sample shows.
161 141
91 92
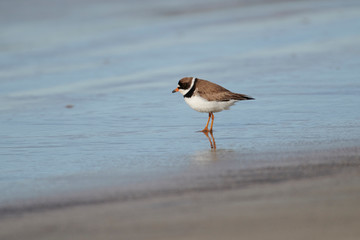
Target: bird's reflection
211 140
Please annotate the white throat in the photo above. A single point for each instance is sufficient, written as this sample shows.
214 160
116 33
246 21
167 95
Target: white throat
185 91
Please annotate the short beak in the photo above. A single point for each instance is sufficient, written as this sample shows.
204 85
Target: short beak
175 90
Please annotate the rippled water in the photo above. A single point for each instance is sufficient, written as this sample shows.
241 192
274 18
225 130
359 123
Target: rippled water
115 64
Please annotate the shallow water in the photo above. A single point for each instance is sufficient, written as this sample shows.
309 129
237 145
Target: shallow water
117 62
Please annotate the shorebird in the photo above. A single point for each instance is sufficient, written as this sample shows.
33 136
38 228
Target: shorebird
204 96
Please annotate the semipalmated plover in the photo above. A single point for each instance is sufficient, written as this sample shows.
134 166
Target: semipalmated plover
205 96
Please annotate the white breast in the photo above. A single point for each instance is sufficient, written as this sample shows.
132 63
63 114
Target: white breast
202 105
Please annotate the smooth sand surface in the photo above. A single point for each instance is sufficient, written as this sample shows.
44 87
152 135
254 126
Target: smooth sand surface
317 201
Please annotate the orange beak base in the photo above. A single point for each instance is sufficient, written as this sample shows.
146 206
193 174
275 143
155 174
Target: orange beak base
175 90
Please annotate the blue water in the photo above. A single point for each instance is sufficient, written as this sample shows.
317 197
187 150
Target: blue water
117 62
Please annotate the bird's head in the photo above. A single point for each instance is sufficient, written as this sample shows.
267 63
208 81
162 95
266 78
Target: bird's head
184 85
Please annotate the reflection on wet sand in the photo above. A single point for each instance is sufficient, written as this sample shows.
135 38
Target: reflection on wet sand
211 140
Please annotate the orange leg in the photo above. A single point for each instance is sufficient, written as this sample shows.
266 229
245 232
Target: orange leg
212 123
207 124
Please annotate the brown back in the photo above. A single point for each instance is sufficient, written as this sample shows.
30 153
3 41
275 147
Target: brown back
213 92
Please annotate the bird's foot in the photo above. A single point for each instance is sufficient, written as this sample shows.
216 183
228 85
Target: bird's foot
206 130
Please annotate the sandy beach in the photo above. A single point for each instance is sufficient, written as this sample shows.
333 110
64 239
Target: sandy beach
295 202
93 144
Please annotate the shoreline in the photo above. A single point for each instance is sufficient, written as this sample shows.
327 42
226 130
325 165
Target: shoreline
285 197
293 166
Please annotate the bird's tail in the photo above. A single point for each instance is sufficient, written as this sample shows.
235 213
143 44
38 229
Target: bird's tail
239 96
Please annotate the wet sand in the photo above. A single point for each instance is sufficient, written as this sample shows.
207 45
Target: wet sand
298 201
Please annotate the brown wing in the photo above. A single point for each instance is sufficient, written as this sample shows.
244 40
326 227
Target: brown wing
213 92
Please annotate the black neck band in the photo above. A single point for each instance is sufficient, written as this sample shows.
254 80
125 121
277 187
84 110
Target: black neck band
191 92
